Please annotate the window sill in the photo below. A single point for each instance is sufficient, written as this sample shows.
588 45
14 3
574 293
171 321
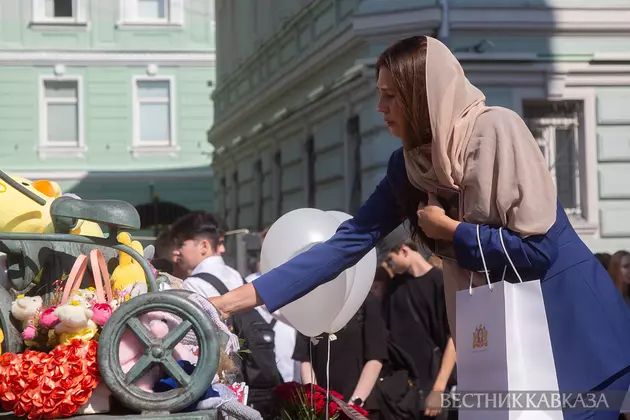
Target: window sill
48 151
148 25
583 226
139 150
56 24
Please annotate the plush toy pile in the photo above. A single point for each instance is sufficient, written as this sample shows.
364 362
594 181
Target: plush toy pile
61 378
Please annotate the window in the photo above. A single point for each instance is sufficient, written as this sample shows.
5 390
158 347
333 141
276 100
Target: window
153 119
61 116
60 8
355 172
277 182
59 11
152 12
557 127
311 185
260 195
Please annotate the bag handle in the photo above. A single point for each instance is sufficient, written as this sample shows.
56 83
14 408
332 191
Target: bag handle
101 276
485 267
75 278
508 258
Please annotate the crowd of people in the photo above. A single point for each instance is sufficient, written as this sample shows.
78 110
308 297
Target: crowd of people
374 361
396 356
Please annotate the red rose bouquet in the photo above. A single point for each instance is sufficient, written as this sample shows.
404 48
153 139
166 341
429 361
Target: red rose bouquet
308 402
49 385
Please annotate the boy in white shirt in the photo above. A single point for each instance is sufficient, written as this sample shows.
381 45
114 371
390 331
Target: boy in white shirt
199 243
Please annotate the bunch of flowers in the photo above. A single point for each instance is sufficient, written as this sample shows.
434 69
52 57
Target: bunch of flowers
49 385
308 402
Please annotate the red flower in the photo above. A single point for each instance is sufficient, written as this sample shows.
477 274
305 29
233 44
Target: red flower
287 391
81 397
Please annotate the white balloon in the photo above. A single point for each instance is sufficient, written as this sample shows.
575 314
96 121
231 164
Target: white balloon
350 272
292 234
361 286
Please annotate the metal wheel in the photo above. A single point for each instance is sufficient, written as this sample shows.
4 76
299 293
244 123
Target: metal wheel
158 352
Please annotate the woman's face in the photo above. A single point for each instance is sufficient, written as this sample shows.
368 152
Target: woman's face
389 103
625 269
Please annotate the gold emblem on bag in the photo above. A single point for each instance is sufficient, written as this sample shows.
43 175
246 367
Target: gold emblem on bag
480 337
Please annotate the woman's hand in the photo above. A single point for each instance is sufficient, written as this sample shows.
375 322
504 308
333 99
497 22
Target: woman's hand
243 298
436 224
217 303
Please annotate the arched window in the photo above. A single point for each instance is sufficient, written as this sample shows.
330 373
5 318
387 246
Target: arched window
159 214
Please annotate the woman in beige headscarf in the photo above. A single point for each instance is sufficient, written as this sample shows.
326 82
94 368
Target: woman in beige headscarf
452 139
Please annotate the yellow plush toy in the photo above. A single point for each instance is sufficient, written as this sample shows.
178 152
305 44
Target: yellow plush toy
128 279
18 213
1 340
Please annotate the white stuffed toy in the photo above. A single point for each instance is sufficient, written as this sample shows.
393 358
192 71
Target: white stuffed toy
75 322
27 310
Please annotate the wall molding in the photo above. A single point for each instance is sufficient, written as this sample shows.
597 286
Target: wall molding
498 18
327 53
306 112
107 58
196 173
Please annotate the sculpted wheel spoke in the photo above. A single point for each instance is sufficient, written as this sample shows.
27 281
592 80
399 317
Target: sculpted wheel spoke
177 334
176 372
157 352
140 331
141 367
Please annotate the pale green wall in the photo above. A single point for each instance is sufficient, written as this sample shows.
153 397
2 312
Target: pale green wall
108 119
107 101
102 32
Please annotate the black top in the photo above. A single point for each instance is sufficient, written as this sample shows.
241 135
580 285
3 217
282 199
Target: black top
364 338
415 312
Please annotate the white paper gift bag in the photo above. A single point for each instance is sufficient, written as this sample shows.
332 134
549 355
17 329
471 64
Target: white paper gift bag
503 345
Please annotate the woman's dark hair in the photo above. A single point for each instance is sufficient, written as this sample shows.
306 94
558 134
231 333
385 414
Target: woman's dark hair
614 269
406 61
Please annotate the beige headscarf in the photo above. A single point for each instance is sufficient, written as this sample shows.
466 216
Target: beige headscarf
488 153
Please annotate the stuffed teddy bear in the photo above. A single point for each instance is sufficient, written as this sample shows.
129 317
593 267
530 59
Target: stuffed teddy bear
27 310
131 349
75 322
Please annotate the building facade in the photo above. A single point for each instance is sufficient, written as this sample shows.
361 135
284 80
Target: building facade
111 99
295 104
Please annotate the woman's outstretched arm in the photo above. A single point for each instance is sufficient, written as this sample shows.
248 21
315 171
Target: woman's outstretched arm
323 262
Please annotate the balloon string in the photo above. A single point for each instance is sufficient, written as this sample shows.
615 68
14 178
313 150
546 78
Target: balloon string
310 355
331 338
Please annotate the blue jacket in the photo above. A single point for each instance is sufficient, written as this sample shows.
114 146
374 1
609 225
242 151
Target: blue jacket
589 322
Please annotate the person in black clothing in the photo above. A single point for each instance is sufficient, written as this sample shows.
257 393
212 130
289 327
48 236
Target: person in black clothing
356 356
415 313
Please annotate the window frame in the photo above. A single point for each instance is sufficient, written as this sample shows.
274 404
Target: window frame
588 222
38 14
128 14
137 143
61 147
550 127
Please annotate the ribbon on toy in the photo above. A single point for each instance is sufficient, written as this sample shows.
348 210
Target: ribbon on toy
232 344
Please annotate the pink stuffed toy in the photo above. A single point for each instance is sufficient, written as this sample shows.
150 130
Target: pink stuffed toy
48 319
159 324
